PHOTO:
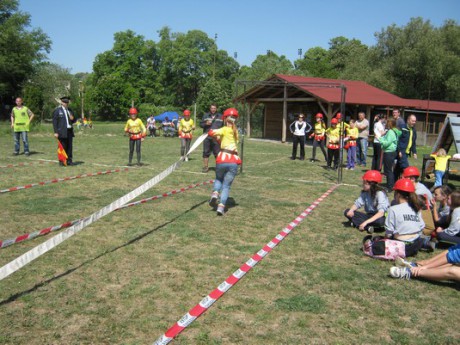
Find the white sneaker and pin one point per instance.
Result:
(400, 262)
(400, 272)
(186, 158)
(220, 210)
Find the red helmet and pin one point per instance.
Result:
(338, 116)
(186, 112)
(319, 115)
(411, 172)
(231, 112)
(372, 176)
(132, 111)
(404, 185)
(334, 121)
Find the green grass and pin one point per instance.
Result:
(130, 276)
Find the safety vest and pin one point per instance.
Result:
(21, 119)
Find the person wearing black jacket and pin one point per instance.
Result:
(63, 119)
(407, 146)
(211, 120)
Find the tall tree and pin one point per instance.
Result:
(20, 48)
(422, 60)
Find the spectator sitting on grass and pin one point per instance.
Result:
(443, 266)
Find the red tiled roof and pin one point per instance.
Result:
(359, 92)
(448, 107)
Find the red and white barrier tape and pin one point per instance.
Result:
(56, 180)
(24, 164)
(44, 247)
(32, 235)
(209, 300)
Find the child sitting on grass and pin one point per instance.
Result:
(404, 221)
(441, 208)
(443, 266)
(375, 202)
(451, 234)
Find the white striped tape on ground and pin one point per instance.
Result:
(41, 249)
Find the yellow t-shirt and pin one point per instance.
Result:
(135, 126)
(440, 162)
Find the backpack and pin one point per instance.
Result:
(383, 248)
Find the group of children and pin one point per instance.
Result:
(300, 129)
(227, 161)
(414, 220)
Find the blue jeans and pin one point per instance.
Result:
(25, 140)
(351, 157)
(438, 175)
(225, 174)
(362, 151)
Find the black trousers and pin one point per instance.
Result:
(377, 158)
(133, 143)
(319, 143)
(296, 140)
(67, 144)
(388, 168)
(361, 217)
(333, 155)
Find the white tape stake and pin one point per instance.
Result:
(41, 249)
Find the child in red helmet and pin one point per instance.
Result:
(227, 160)
(404, 221)
(375, 202)
(318, 135)
(333, 145)
(137, 131)
(186, 126)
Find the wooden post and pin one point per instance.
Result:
(284, 128)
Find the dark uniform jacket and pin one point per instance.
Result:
(60, 124)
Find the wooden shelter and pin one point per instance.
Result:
(285, 96)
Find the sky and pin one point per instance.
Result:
(82, 29)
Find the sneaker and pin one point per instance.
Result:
(370, 229)
(15, 153)
(292, 158)
(205, 169)
(186, 158)
(220, 210)
(352, 168)
(400, 272)
(400, 262)
(312, 160)
(27, 153)
(213, 200)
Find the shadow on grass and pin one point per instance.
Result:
(14, 297)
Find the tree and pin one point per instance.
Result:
(316, 63)
(20, 50)
(422, 61)
(212, 93)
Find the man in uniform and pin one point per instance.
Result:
(63, 118)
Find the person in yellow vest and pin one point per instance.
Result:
(352, 133)
(137, 132)
(333, 145)
(186, 126)
(21, 117)
(318, 135)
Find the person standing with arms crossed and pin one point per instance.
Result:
(63, 119)
(21, 117)
(363, 129)
(211, 120)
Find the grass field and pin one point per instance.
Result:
(130, 276)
